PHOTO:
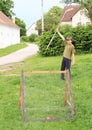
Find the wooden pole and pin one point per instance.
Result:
(66, 90)
(22, 101)
(70, 91)
(51, 40)
(44, 72)
(42, 16)
(57, 28)
(20, 95)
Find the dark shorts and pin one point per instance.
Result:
(66, 63)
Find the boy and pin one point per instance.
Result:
(68, 53)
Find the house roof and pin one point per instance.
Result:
(5, 20)
(32, 25)
(69, 12)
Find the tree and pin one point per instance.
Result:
(84, 4)
(22, 26)
(6, 7)
(51, 18)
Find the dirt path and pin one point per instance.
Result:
(19, 55)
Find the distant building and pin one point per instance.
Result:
(32, 30)
(9, 31)
(73, 15)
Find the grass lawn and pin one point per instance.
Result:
(11, 49)
(10, 115)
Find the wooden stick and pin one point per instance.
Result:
(66, 89)
(57, 27)
(70, 91)
(69, 103)
(20, 96)
(45, 72)
(51, 40)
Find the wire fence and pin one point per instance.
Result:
(45, 96)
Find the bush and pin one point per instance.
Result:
(56, 47)
(25, 38)
(82, 40)
(33, 38)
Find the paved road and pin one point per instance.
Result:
(19, 55)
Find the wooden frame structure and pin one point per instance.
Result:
(67, 90)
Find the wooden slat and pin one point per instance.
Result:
(45, 72)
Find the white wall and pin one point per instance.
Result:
(69, 23)
(32, 30)
(9, 35)
(80, 19)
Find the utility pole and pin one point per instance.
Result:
(42, 16)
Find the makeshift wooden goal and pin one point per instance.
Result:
(67, 91)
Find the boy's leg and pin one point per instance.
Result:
(63, 65)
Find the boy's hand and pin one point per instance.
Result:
(72, 63)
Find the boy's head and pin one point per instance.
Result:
(69, 39)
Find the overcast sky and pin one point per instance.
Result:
(30, 10)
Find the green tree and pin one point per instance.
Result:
(22, 26)
(6, 7)
(84, 4)
(51, 18)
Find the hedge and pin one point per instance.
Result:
(31, 38)
(82, 40)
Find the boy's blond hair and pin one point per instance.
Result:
(69, 38)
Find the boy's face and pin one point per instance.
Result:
(69, 41)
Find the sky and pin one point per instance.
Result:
(30, 10)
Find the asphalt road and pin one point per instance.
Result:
(19, 55)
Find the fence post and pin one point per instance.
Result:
(70, 93)
(66, 89)
(22, 97)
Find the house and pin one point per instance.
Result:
(9, 31)
(73, 15)
(32, 30)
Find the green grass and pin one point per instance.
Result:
(12, 48)
(44, 97)
(10, 115)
